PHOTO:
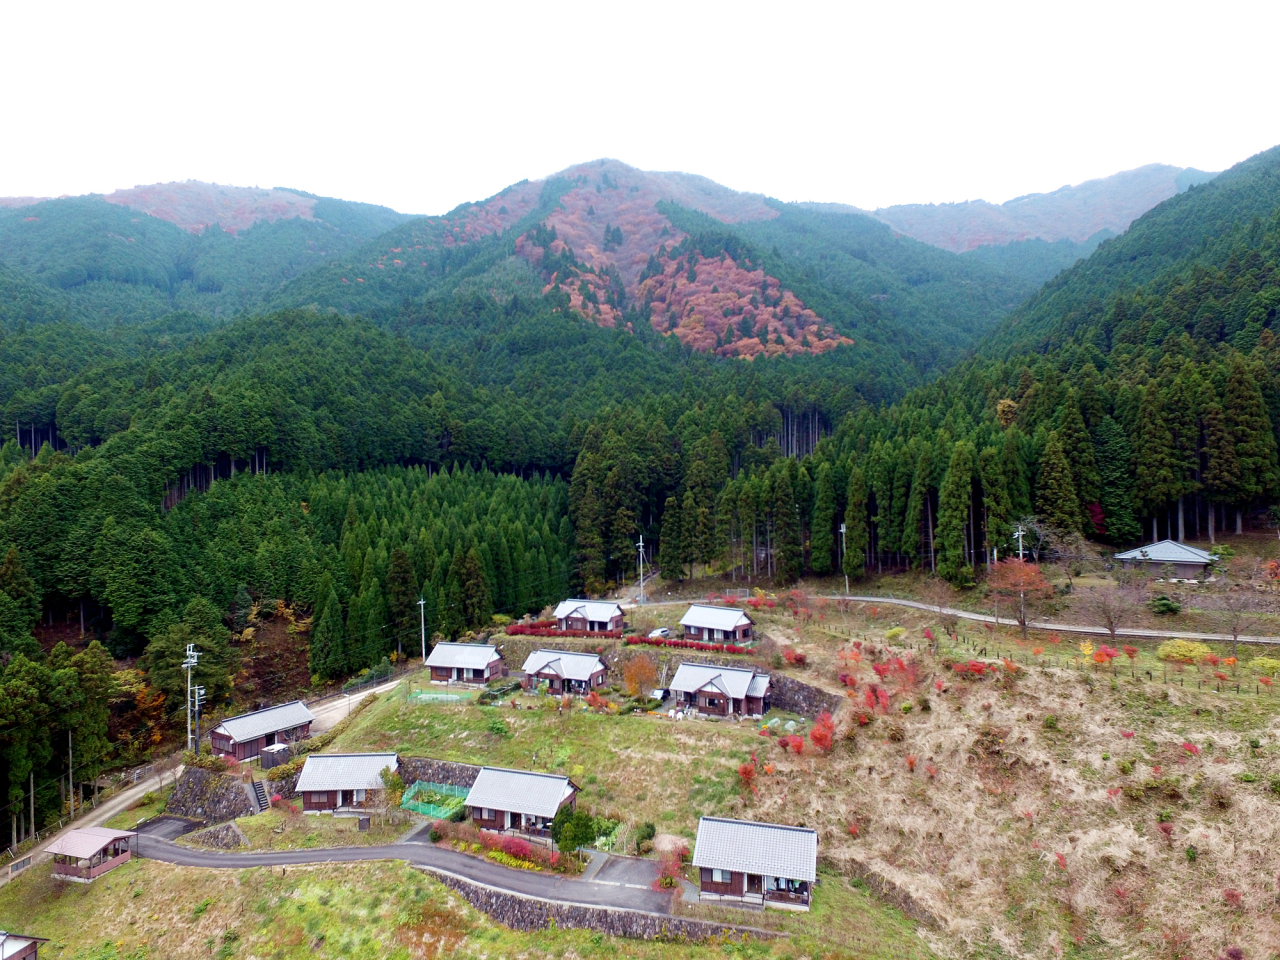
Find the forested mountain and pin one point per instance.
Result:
(1074, 213)
(140, 254)
(487, 410)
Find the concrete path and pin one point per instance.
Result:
(327, 713)
(1136, 632)
(526, 882)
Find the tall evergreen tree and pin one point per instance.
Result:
(401, 596)
(1251, 433)
(1056, 498)
(855, 525)
(1119, 525)
(788, 556)
(477, 598)
(671, 542)
(955, 499)
(328, 647)
(822, 541)
(1077, 446)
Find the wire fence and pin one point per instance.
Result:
(427, 696)
(435, 800)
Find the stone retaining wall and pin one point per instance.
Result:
(886, 889)
(529, 913)
(225, 836)
(211, 797)
(426, 769)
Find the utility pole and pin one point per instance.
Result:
(846, 576)
(640, 555)
(422, 615)
(199, 694)
(188, 664)
(1019, 533)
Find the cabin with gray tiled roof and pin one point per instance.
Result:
(755, 864)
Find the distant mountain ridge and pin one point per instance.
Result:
(1076, 213)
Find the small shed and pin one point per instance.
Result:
(1188, 563)
(565, 672)
(709, 624)
(720, 691)
(15, 946)
(765, 864)
(275, 755)
(519, 800)
(342, 782)
(589, 615)
(87, 853)
(244, 737)
(464, 662)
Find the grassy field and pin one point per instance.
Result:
(629, 767)
(280, 830)
(148, 911)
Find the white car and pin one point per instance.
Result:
(662, 633)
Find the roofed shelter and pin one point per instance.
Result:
(520, 800)
(708, 624)
(1188, 563)
(14, 946)
(244, 737)
(565, 672)
(464, 663)
(756, 863)
(592, 616)
(87, 853)
(720, 691)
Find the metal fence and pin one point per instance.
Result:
(435, 800)
(427, 696)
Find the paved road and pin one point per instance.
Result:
(327, 713)
(529, 883)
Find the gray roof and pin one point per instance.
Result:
(251, 726)
(731, 681)
(1168, 551)
(714, 618)
(767, 849)
(598, 610)
(469, 656)
(520, 791)
(345, 771)
(571, 666)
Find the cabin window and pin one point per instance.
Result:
(319, 798)
(720, 876)
(359, 796)
(486, 813)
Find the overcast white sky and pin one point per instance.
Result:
(421, 106)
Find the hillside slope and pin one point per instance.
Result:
(141, 253)
(1073, 213)
(1211, 226)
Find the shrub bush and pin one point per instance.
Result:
(894, 634)
(1183, 651)
(1163, 606)
(1267, 666)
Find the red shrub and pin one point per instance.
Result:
(1192, 749)
(794, 657)
(747, 776)
(1233, 897)
(1130, 652)
(912, 760)
(1062, 861)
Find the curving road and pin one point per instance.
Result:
(631, 896)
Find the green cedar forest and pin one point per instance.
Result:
(199, 424)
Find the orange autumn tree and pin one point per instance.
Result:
(640, 674)
(1020, 581)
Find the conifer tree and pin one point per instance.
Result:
(401, 596)
(787, 554)
(1252, 436)
(477, 597)
(1119, 525)
(1221, 474)
(327, 648)
(1077, 446)
(855, 525)
(954, 500)
(822, 540)
(1056, 499)
(671, 542)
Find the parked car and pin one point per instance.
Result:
(662, 633)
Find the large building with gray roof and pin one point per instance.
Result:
(765, 864)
